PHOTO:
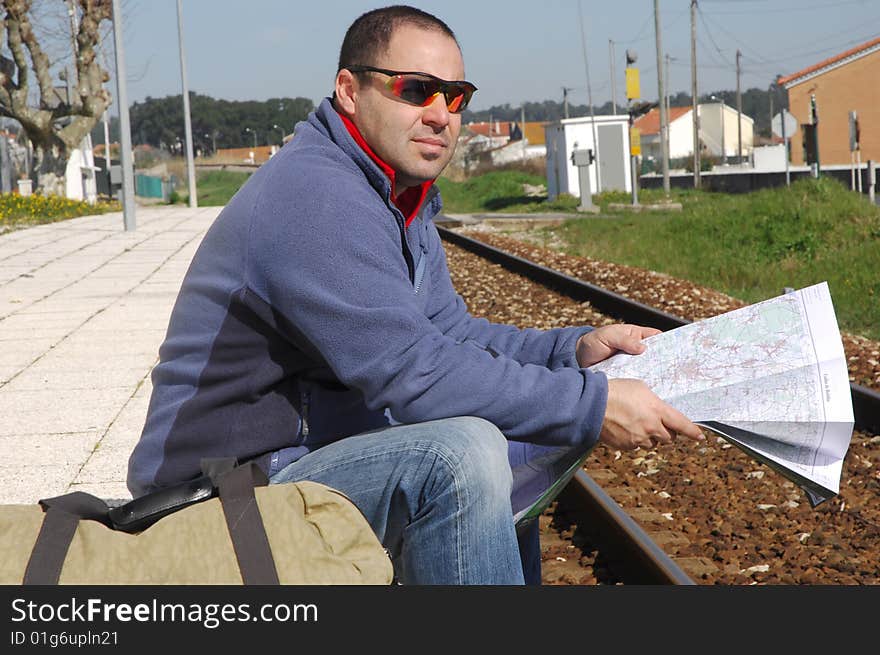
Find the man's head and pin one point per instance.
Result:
(416, 141)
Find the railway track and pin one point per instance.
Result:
(618, 529)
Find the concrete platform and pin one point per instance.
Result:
(83, 309)
(505, 221)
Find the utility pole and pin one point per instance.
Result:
(565, 91)
(190, 166)
(124, 123)
(739, 110)
(666, 59)
(666, 100)
(522, 130)
(596, 153)
(695, 106)
(664, 125)
(613, 76)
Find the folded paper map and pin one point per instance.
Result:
(770, 378)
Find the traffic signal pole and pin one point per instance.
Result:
(814, 115)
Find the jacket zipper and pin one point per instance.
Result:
(401, 225)
(420, 270)
(304, 414)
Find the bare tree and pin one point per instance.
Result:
(55, 124)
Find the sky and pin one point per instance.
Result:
(515, 51)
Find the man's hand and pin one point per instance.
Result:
(603, 342)
(636, 418)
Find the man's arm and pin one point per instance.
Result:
(334, 271)
(634, 415)
(552, 348)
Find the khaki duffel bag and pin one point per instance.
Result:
(300, 533)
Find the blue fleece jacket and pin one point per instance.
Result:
(310, 313)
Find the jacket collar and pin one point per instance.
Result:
(423, 198)
(410, 201)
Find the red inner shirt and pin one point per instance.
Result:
(407, 202)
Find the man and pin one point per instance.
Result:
(317, 332)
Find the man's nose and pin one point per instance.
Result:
(436, 114)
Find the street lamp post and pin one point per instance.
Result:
(280, 129)
(254, 151)
(128, 217)
(187, 121)
(247, 129)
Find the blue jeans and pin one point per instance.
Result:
(437, 495)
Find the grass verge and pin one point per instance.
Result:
(216, 188)
(751, 246)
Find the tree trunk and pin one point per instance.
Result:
(50, 165)
(54, 126)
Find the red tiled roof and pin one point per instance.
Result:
(829, 61)
(650, 122)
(499, 128)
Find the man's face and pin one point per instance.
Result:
(417, 142)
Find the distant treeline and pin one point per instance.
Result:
(755, 104)
(221, 123)
(224, 123)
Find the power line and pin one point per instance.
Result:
(638, 36)
(713, 53)
(736, 39)
(784, 10)
(708, 31)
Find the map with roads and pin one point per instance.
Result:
(771, 378)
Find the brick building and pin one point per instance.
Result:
(846, 82)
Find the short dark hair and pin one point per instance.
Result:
(371, 33)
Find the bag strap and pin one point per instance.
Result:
(63, 514)
(243, 520)
(245, 524)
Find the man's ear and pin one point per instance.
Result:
(346, 91)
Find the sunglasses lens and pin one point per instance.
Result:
(457, 97)
(413, 89)
(421, 91)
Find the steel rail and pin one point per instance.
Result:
(866, 402)
(649, 564)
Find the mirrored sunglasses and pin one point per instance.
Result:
(421, 88)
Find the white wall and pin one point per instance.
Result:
(79, 177)
(681, 136)
(513, 151)
(769, 158)
(711, 126)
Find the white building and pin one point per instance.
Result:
(719, 136)
(519, 150)
(612, 168)
(79, 176)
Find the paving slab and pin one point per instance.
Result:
(84, 305)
